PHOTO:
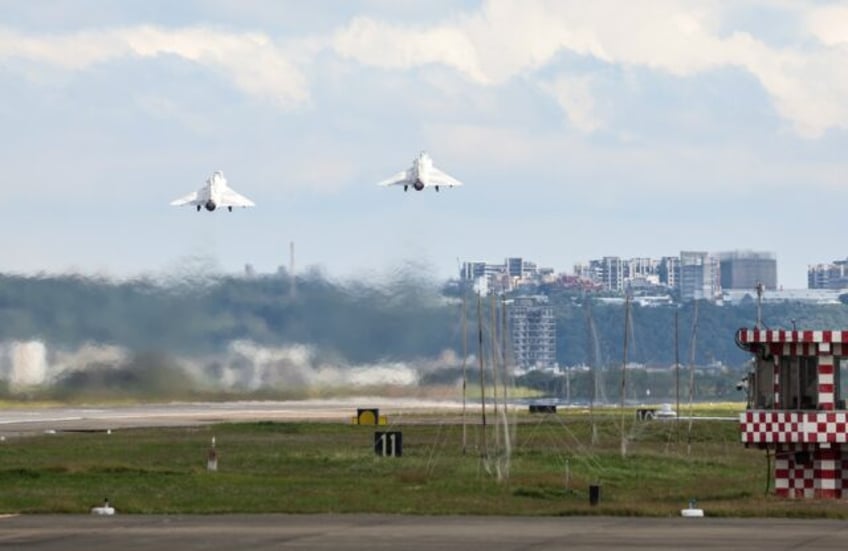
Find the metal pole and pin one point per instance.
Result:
(677, 370)
(624, 372)
(592, 367)
(504, 355)
(482, 376)
(464, 369)
(493, 334)
(692, 376)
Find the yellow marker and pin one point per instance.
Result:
(368, 417)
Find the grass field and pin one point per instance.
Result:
(328, 467)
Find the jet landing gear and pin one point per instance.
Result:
(437, 188)
(198, 208)
(405, 188)
(230, 209)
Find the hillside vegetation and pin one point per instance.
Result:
(405, 319)
(363, 322)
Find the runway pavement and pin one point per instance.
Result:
(376, 532)
(18, 421)
(21, 421)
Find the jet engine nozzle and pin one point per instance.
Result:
(210, 205)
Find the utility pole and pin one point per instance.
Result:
(464, 368)
(482, 376)
(677, 371)
(624, 372)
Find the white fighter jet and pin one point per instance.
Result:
(216, 193)
(421, 174)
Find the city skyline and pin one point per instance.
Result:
(740, 269)
(579, 131)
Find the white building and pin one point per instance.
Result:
(532, 328)
(699, 276)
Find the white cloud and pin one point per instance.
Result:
(499, 41)
(251, 60)
(574, 95)
(508, 38)
(514, 37)
(829, 24)
(807, 89)
(400, 47)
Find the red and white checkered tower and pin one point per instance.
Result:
(795, 409)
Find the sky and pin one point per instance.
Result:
(580, 129)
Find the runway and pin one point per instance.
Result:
(375, 532)
(20, 421)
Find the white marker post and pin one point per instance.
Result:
(105, 509)
(692, 510)
(212, 458)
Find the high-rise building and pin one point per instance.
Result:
(532, 330)
(745, 269)
(615, 274)
(669, 271)
(828, 276)
(640, 274)
(518, 268)
(699, 276)
(514, 267)
(499, 277)
(607, 272)
(640, 268)
(473, 270)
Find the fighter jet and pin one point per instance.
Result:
(421, 174)
(216, 193)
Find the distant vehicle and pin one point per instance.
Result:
(216, 193)
(664, 412)
(420, 175)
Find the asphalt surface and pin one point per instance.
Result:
(376, 532)
(20, 421)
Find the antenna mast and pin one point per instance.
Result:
(624, 371)
(677, 372)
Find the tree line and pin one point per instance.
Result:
(406, 317)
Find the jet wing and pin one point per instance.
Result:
(230, 198)
(399, 179)
(192, 198)
(438, 178)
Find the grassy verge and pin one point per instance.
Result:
(326, 467)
